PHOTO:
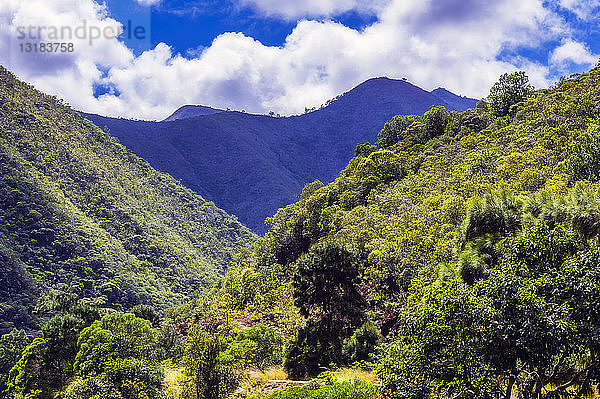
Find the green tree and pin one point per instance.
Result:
(393, 131)
(12, 346)
(326, 290)
(326, 286)
(118, 351)
(510, 90)
(584, 161)
(210, 378)
(435, 121)
(47, 363)
(146, 312)
(365, 149)
(312, 350)
(362, 344)
(31, 376)
(259, 346)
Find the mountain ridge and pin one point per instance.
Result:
(251, 165)
(189, 111)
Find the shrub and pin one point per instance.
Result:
(584, 161)
(362, 344)
(394, 130)
(357, 389)
(434, 123)
(259, 346)
(312, 350)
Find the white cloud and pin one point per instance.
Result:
(148, 2)
(313, 8)
(584, 9)
(450, 43)
(573, 51)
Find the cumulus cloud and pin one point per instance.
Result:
(313, 8)
(573, 51)
(584, 9)
(452, 43)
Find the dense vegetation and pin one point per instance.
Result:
(471, 238)
(457, 258)
(81, 214)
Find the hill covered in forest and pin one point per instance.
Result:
(252, 165)
(468, 240)
(457, 258)
(81, 214)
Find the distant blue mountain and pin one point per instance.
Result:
(191, 111)
(252, 165)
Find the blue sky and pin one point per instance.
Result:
(285, 55)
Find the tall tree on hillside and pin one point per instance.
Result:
(326, 291)
(510, 90)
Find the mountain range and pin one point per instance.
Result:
(252, 165)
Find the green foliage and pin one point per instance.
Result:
(32, 375)
(312, 350)
(336, 390)
(365, 149)
(326, 285)
(12, 346)
(413, 129)
(123, 378)
(117, 353)
(470, 267)
(326, 290)
(210, 377)
(80, 210)
(47, 363)
(146, 312)
(584, 162)
(437, 344)
(509, 91)
(115, 337)
(259, 346)
(393, 131)
(361, 346)
(434, 123)
(474, 120)
(497, 212)
(170, 342)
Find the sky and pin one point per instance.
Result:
(144, 59)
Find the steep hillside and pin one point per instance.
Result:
(403, 208)
(252, 165)
(80, 213)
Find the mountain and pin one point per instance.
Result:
(80, 213)
(252, 165)
(472, 243)
(192, 111)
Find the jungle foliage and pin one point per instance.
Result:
(79, 213)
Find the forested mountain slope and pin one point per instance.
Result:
(252, 165)
(439, 202)
(460, 258)
(80, 213)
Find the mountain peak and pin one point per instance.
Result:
(192, 111)
(269, 160)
